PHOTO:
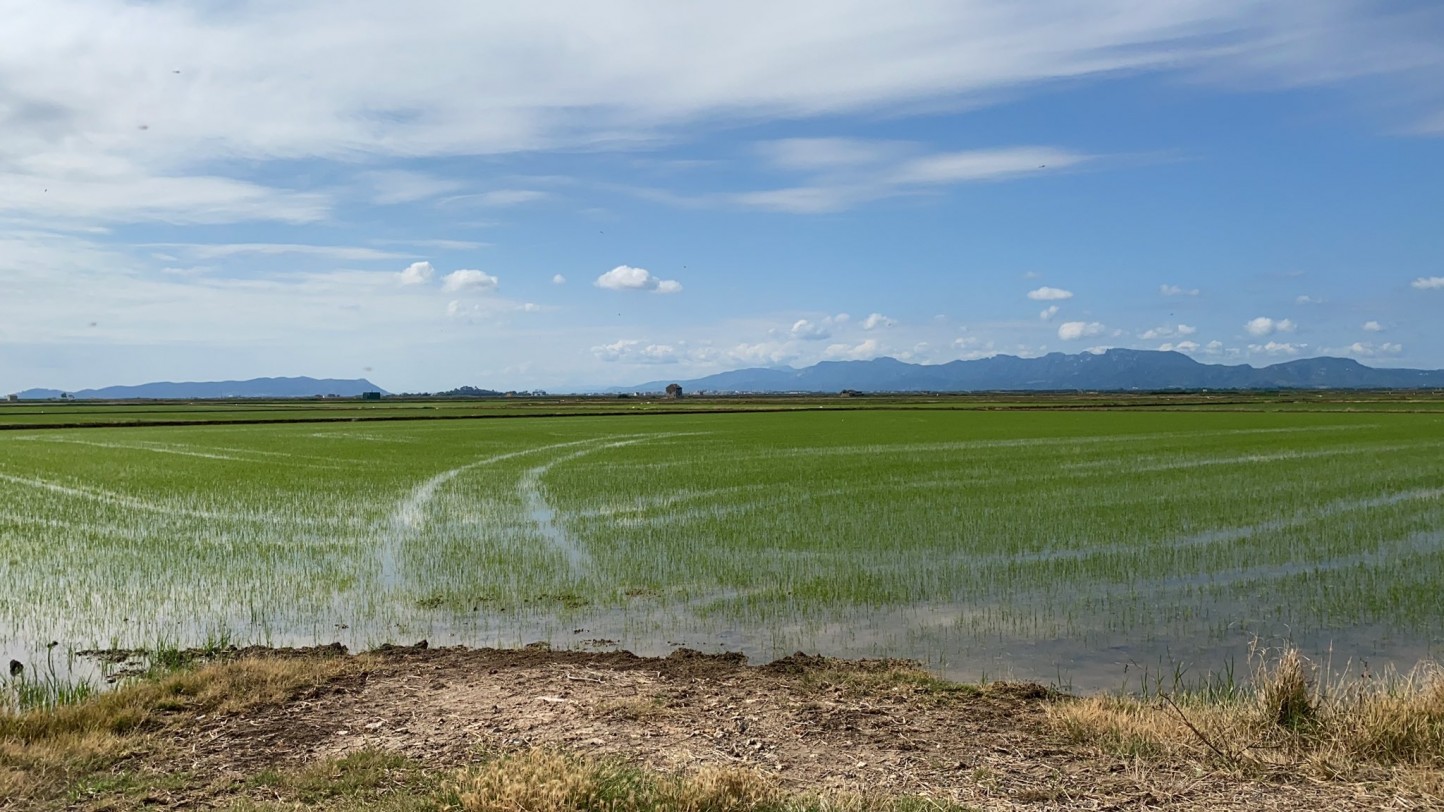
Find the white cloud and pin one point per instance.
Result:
(983, 164)
(1263, 326)
(626, 277)
(1074, 330)
(394, 186)
(854, 352)
(417, 273)
(1307, 299)
(468, 280)
(1373, 327)
(1047, 294)
(283, 81)
(848, 173)
(1277, 348)
(829, 153)
(631, 351)
(877, 320)
(1175, 290)
(809, 331)
(1168, 332)
(344, 253)
(767, 353)
(1048, 312)
(1367, 350)
(1182, 346)
(498, 198)
(1429, 283)
(558, 279)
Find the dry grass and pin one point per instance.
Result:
(545, 781)
(42, 751)
(1288, 722)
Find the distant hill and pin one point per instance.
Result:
(1114, 370)
(205, 390)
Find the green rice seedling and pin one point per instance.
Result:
(1026, 543)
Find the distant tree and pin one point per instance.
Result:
(674, 391)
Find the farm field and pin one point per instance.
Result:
(83, 414)
(1094, 547)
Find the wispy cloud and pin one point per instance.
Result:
(853, 173)
(345, 253)
(1175, 290)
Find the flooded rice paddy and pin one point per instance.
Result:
(1083, 547)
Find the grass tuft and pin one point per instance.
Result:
(546, 781)
(45, 748)
(1287, 720)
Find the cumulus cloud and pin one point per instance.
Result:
(1182, 346)
(417, 273)
(809, 331)
(626, 277)
(558, 279)
(1263, 326)
(1048, 312)
(766, 353)
(631, 351)
(1429, 283)
(1307, 299)
(877, 320)
(1277, 348)
(854, 352)
(1373, 327)
(467, 280)
(1047, 294)
(1364, 349)
(1175, 290)
(974, 351)
(1168, 332)
(1074, 330)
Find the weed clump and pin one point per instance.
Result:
(542, 781)
(1288, 720)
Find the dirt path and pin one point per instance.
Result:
(814, 724)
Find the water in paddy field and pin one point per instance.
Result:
(1098, 551)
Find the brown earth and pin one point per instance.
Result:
(814, 724)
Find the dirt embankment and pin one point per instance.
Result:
(812, 724)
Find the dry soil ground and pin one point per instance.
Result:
(815, 725)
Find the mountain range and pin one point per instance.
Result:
(205, 390)
(1112, 370)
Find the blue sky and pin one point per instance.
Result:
(580, 194)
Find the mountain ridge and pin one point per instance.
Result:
(1112, 370)
(296, 387)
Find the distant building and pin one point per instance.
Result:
(674, 391)
(370, 395)
(12, 397)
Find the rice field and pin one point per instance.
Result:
(1082, 546)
